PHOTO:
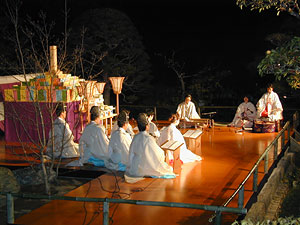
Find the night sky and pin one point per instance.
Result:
(203, 33)
(214, 31)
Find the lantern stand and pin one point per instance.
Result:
(116, 83)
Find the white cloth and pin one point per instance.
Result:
(273, 104)
(93, 142)
(153, 130)
(64, 144)
(187, 111)
(171, 133)
(129, 129)
(244, 116)
(146, 158)
(118, 149)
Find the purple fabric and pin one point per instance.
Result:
(23, 123)
(6, 86)
(2, 125)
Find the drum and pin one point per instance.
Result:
(264, 127)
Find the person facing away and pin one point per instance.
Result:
(93, 143)
(118, 147)
(129, 127)
(245, 115)
(187, 110)
(171, 133)
(153, 130)
(269, 107)
(146, 158)
(63, 144)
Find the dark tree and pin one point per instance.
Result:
(111, 33)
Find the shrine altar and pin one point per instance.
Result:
(23, 121)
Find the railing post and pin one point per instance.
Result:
(241, 197)
(255, 174)
(276, 150)
(10, 209)
(155, 113)
(105, 212)
(218, 218)
(289, 131)
(282, 140)
(266, 165)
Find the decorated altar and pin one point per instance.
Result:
(28, 106)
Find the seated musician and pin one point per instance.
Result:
(93, 143)
(187, 110)
(118, 148)
(129, 129)
(269, 107)
(153, 130)
(245, 115)
(171, 133)
(146, 158)
(63, 144)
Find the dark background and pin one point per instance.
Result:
(203, 33)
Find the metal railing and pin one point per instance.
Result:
(217, 209)
(106, 201)
(264, 157)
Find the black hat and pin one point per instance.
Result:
(142, 119)
(95, 111)
(60, 107)
(123, 117)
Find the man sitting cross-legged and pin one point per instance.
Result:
(146, 158)
(118, 148)
(61, 144)
(93, 144)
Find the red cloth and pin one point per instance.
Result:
(21, 123)
(6, 86)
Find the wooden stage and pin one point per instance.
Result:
(227, 158)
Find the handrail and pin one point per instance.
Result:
(217, 209)
(257, 162)
(254, 170)
(106, 201)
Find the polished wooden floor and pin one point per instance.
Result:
(227, 158)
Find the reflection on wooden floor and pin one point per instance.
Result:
(227, 158)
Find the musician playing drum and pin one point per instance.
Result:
(269, 107)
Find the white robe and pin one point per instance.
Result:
(64, 144)
(129, 129)
(153, 130)
(118, 149)
(187, 111)
(171, 133)
(146, 158)
(273, 104)
(93, 143)
(244, 116)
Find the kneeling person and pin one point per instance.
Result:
(63, 144)
(146, 158)
(118, 148)
(93, 143)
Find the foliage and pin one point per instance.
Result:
(283, 62)
(279, 221)
(289, 6)
(112, 32)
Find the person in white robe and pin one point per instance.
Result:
(61, 144)
(146, 158)
(269, 107)
(129, 128)
(93, 143)
(245, 115)
(187, 110)
(171, 133)
(118, 147)
(153, 130)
